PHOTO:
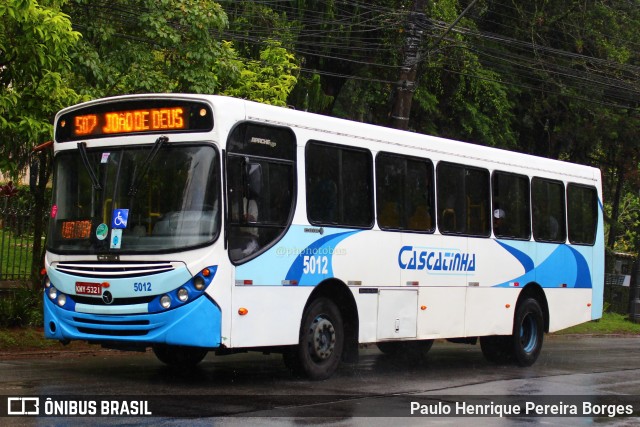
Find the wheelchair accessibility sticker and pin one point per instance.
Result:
(119, 218)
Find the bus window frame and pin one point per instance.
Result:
(564, 209)
(595, 193)
(439, 211)
(432, 190)
(371, 178)
(529, 201)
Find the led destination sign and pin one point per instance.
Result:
(130, 121)
(130, 117)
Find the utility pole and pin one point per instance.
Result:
(405, 87)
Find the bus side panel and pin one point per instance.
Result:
(568, 309)
(443, 315)
(490, 311)
(273, 315)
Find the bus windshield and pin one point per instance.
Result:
(135, 203)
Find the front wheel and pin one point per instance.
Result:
(319, 351)
(179, 356)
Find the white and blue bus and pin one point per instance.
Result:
(196, 223)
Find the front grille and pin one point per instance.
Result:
(116, 301)
(114, 328)
(110, 270)
(112, 322)
(112, 333)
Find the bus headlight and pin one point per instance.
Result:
(165, 301)
(62, 299)
(183, 294)
(47, 282)
(53, 293)
(198, 283)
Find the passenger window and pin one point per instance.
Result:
(582, 214)
(339, 185)
(404, 188)
(548, 210)
(463, 200)
(511, 209)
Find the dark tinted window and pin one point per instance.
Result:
(260, 190)
(511, 210)
(463, 200)
(548, 210)
(582, 214)
(266, 141)
(404, 189)
(339, 185)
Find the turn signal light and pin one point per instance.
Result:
(242, 311)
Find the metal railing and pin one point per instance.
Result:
(16, 243)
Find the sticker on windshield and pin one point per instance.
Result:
(105, 157)
(101, 231)
(116, 238)
(119, 218)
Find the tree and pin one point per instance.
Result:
(36, 41)
(146, 46)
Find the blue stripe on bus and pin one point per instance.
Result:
(563, 266)
(523, 258)
(325, 247)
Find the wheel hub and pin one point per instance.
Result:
(323, 338)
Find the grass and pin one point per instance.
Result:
(611, 323)
(24, 339)
(15, 255)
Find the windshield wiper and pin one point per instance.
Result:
(145, 165)
(82, 148)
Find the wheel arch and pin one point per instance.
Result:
(534, 290)
(338, 292)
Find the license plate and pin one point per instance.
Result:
(85, 288)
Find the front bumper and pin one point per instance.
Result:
(197, 324)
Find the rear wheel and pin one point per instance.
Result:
(179, 356)
(528, 332)
(525, 344)
(318, 354)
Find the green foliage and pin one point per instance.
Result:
(269, 80)
(21, 307)
(173, 46)
(35, 40)
(610, 323)
(629, 223)
(162, 46)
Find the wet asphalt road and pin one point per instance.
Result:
(252, 389)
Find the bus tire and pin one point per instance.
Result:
(528, 332)
(525, 344)
(319, 351)
(179, 356)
